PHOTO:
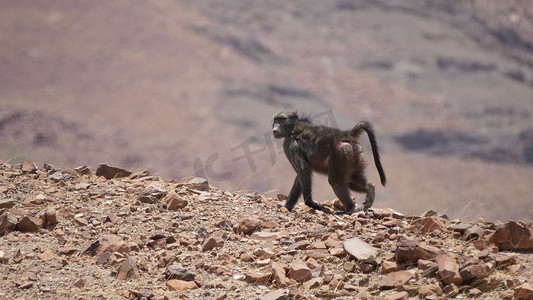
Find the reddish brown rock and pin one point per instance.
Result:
(175, 202)
(254, 277)
(275, 295)
(425, 264)
(398, 296)
(448, 269)
(248, 225)
(128, 269)
(395, 279)
(181, 285)
(475, 272)
(29, 224)
(312, 283)
(388, 267)
(451, 290)
(524, 292)
(212, 242)
(47, 255)
(110, 172)
(278, 274)
(317, 253)
(513, 236)
(502, 259)
(7, 203)
(8, 222)
(409, 250)
(267, 236)
(50, 217)
(349, 266)
(67, 250)
(178, 272)
(431, 223)
(299, 271)
(429, 290)
(29, 167)
(112, 243)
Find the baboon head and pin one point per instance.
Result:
(283, 123)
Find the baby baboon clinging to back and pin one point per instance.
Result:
(329, 151)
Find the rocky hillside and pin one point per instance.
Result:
(114, 234)
(186, 88)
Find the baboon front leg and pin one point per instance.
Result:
(305, 181)
(295, 193)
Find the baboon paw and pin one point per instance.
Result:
(348, 211)
(315, 205)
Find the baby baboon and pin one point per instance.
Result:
(329, 151)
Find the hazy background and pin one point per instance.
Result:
(188, 88)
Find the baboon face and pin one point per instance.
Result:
(283, 123)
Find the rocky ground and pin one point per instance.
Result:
(111, 234)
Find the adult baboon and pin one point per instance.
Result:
(329, 151)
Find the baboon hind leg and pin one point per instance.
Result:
(360, 184)
(337, 180)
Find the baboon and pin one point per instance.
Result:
(330, 151)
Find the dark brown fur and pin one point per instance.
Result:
(329, 151)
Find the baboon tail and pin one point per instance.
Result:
(366, 126)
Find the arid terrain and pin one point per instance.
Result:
(187, 88)
(114, 234)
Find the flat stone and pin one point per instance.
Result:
(254, 277)
(317, 253)
(502, 259)
(67, 250)
(181, 285)
(199, 184)
(267, 236)
(361, 250)
(395, 279)
(47, 255)
(403, 295)
(459, 227)
(275, 295)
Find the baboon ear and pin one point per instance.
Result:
(293, 115)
